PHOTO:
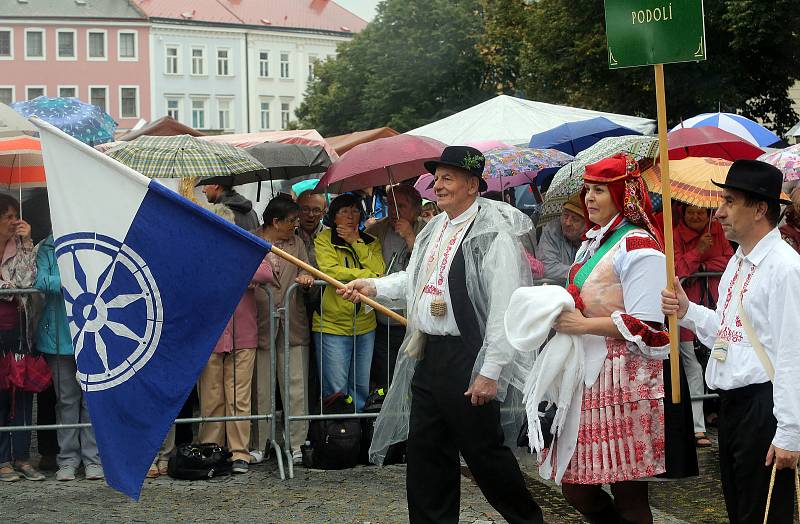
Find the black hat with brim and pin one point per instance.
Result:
(464, 158)
(757, 178)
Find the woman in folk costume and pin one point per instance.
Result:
(616, 282)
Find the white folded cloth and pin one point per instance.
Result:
(565, 364)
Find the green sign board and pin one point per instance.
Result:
(648, 32)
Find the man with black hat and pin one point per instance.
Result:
(755, 360)
(456, 363)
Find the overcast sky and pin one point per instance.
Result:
(363, 8)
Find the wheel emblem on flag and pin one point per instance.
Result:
(113, 308)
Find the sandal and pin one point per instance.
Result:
(153, 472)
(163, 467)
(701, 440)
(29, 472)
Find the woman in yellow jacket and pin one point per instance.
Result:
(344, 333)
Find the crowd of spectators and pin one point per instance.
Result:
(334, 347)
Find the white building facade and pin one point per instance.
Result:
(198, 75)
(233, 79)
(281, 64)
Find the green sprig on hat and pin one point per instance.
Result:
(472, 161)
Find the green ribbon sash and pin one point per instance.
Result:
(613, 240)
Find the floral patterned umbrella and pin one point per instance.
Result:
(514, 166)
(86, 122)
(569, 178)
(787, 160)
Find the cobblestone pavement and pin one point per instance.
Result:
(362, 495)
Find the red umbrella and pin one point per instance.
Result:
(383, 161)
(710, 142)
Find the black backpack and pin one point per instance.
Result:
(335, 443)
(199, 462)
(396, 454)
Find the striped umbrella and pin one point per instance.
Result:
(569, 179)
(787, 160)
(21, 162)
(690, 180)
(740, 126)
(185, 156)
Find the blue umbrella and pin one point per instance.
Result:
(88, 123)
(740, 126)
(574, 137)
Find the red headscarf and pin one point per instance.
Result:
(620, 173)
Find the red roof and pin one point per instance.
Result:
(203, 11)
(297, 14)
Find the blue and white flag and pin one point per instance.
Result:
(150, 280)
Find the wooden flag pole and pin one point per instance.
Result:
(669, 249)
(335, 283)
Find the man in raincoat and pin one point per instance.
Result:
(456, 365)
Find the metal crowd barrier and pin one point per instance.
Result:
(270, 416)
(277, 315)
(286, 397)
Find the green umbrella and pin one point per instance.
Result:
(569, 179)
(185, 156)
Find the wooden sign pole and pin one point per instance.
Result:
(669, 245)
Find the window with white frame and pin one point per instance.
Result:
(284, 65)
(285, 115)
(264, 114)
(172, 54)
(263, 64)
(224, 113)
(96, 45)
(223, 62)
(312, 63)
(65, 44)
(98, 96)
(174, 108)
(34, 44)
(6, 95)
(6, 43)
(32, 92)
(198, 61)
(126, 45)
(67, 91)
(199, 113)
(129, 102)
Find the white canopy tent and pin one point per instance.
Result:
(514, 120)
(795, 131)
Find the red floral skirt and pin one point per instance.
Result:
(621, 432)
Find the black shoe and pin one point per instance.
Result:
(240, 466)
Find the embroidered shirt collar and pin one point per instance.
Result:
(463, 217)
(594, 235)
(762, 248)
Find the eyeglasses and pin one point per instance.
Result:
(311, 210)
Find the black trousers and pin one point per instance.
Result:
(746, 429)
(443, 423)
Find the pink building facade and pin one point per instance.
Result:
(103, 62)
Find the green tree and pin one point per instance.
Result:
(416, 62)
(752, 49)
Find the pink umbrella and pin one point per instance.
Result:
(709, 142)
(422, 185)
(383, 161)
(485, 145)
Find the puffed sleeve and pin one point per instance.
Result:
(642, 271)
